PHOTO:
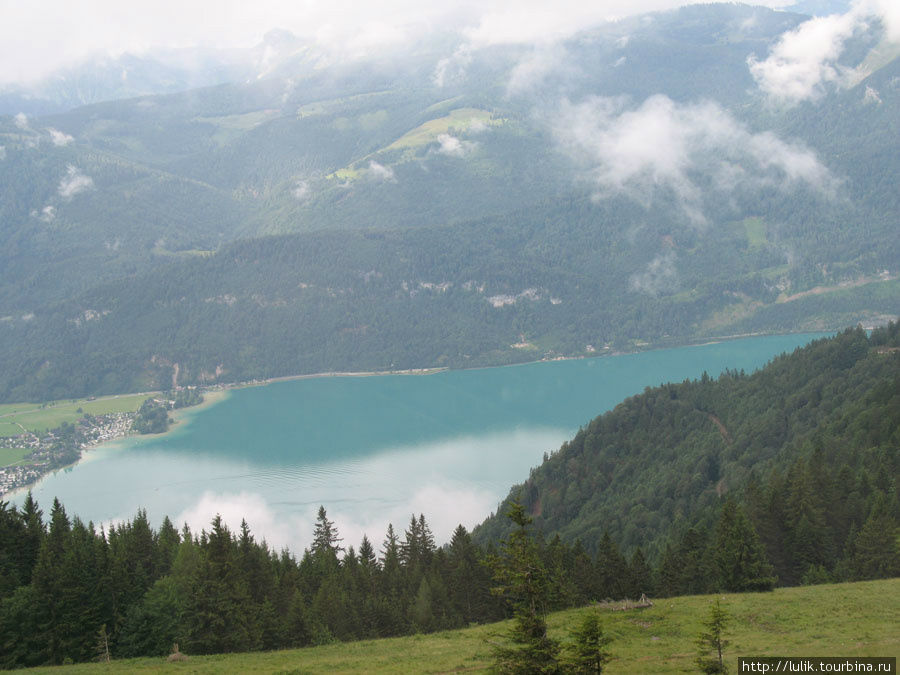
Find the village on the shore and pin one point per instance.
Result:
(60, 447)
(53, 449)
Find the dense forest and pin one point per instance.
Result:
(485, 293)
(784, 477)
(809, 445)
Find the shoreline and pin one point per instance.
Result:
(700, 342)
(333, 373)
(179, 417)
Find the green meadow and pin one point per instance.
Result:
(35, 417)
(11, 456)
(854, 619)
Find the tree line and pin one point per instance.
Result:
(67, 586)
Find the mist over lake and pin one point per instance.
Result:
(372, 450)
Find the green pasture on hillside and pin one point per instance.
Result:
(858, 619)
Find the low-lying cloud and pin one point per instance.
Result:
(454, 147)
(534, 69)
(300, 191)
(381, 173)
(457, 481)
(59, 138)
(659, 276)
(693, 152)
(74, 182)
(804, 61)
(48, 214)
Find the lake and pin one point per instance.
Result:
(372, 450)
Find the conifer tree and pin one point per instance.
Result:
(669, 575)
(640, 576)
(326, 541)
(711, 642)
(12, 531)
(34, 535)
(523, 581)
(612, 570)
(876, 554)
(740, 561)
(587, 652)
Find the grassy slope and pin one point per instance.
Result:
(857, 619)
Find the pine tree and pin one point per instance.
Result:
(422, 616)
(876, 554)
(612, 570)
(697, 575)
(325, 538)
(522, 579)
(465, 579)
(48, 583)
(34, 535)
(12, 531)
(739, 558)
(669, 576)
(712, 641)
(587, 653)
(640, 575)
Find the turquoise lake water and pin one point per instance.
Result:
(372, 450)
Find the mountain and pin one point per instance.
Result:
(809, 444)
(628, 186)
(103, 77)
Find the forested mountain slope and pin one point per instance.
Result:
(630, 185)
(531, 285)
(810, 445)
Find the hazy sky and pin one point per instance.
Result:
(38, 36)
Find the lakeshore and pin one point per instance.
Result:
(371, 449)
(47, 453)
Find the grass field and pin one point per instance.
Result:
(858, 619)
(756, 231)
(35, 418)
(11, 456)
(458, 120)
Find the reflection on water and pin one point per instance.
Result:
(373, 450)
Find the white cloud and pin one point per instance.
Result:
(535, 68)
(74, 182)
(452, 70)
(21, 121)
(871, 95)
(804, 61)
(660, 275)
(32, 46)
(367, 495)
(59, 138)
(2, 152)
(693, 151)
(277, 530)
(48, 214)
(453, 146)
(381, 173)
(300, 191)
